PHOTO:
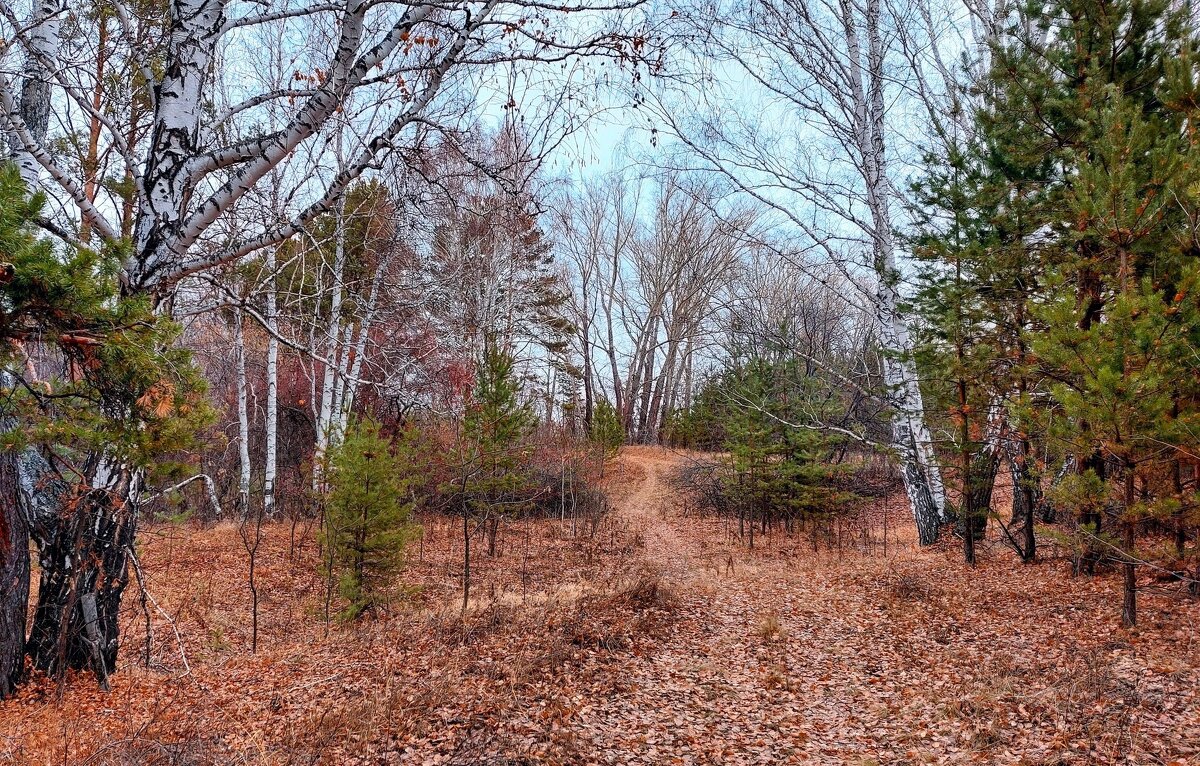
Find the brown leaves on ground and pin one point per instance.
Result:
(657, 640)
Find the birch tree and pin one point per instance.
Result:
(392, 66)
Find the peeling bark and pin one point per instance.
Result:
(14, 576)
(83, 556)
(33, 108)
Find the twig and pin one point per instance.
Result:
(208, 482)
(137, 569)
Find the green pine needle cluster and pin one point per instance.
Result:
(495, 446)
(1061, 240)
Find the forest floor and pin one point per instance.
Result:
(652, 637)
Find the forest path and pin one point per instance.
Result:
(754, 670)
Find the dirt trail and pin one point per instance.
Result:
(649, 508)
(721, 689)
(853, 659)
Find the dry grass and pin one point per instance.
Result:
(770, 629)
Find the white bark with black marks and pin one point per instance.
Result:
(32, 106)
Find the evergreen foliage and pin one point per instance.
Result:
(701, 426)
(606, 429)
(368, 511)
(496, 428)
(765, 415)
(1064, 233)
(124, 388)
(775, 459)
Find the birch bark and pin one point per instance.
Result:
(271, 447)
(239, 340)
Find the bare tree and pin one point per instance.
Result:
(647, 283)
(595, 229)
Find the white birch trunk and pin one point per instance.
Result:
(332, 345)
(339, 415)
(243, 418)
(195, 28)
(912, 439)
(33, 108)
(271, 448)
(354, 375)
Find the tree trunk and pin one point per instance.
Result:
(1026, 496)
(589, 403)
(969, 523)
(980, 486)
(1092, 462)
(466, 528)
(271, 448)
(168, 176)
(83, 554)
(665, 380)
(91, 162)
(14, 576)
(243, 411)
(1180, 531)
(913, 441)
(34, 106)
(1129, 607)
(331, 348)
(647, 382)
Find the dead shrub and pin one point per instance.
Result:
(907, 588)
(141, 751)
(777, 678)
(771, 630)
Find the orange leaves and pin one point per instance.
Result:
(159, 401)
(413, 42)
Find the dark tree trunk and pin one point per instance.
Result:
(978, 495)
(665, 380)
(466, 557)
(1180, 525)
(1023, 501)
(589, 404)
(647, 387)
(14, 576)
(925, 511)
(1129, 604)
(1094, 462)
(1026, 495)
(1046, 510)
(1129, 607)
(83, 555)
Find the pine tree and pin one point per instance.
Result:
(126, 396)
(1077, 200)
(606, 429)
(493, 451)
(701, 426)
(775, 469)
(368, 512)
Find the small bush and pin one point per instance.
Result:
(606, 430)
(770, 629)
